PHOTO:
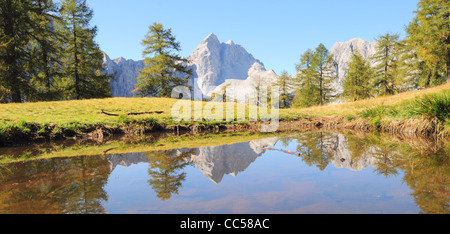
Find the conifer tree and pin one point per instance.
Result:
(315, 73)
(164, 68)
(387, 59)
(15, 35)
(307, 94)
(3, 94)
(286, 86)
(326, 72)
(404, 67)
(45, 50)
(429, 36)
(359, 75)
(414, 71)
(83, 69)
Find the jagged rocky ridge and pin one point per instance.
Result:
(342, 55)
(126, 73)
(217, 161)
(217, 65)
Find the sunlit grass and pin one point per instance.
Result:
(90, 111)
(144, 144)
(354, 108)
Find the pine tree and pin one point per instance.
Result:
(83, 71)
(415, 71)
(286, 86)
(386, 70)
(307, 94)
(3, 94)
(260, 86)
(429, 36)
(15, 35)
(45, 49)
(326, 72)
(404, 67)
(315, 73)
(164, 69)
(359, 75)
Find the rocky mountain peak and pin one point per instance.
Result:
(342, 55)
(210, 38)
(214, 62)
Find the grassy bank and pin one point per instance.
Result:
(127, 145)
(401, 100)
(423, 110)
(420, 111)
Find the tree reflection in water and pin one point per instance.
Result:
(424, 161)
(67, 185)
(166, 171)
(77, 184)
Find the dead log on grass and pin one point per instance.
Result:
(134, 113)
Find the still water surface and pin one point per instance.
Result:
(316, 172)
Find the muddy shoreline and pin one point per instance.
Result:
(99, 133)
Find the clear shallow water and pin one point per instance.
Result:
(316, 172)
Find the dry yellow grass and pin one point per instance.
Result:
(122, 146)
(89, 111)
(353, 108)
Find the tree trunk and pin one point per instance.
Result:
(77, 77)
(322, 98)
(16, 96)
(12, 73)
(447, 42)
(448, 67)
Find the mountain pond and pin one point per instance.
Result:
(297, 173)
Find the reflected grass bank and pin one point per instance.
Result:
(306, 172)
(422, 112)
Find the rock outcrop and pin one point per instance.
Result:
(213, 62)
(342, 55)
(217, 65)
(126, 73)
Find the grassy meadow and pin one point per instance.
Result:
(398, 101)
(431, 103)
(140, 144)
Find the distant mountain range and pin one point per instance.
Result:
(217, 65)
(217, 161)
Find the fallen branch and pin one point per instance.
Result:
(284, 151)
(109, 150)
(134, 113)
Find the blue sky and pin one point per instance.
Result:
(275, 32)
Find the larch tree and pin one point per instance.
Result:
(83, 76)
(15, 35)
(164, 68)
(429, 35)
(307, 93)
(315, 73)
(386, 60)
(415, 71)
(45, 51)
(325, 73)
(286, 86)
(359, 77)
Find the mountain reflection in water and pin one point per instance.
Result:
(271, 175)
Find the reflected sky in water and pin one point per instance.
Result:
(315, 172)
